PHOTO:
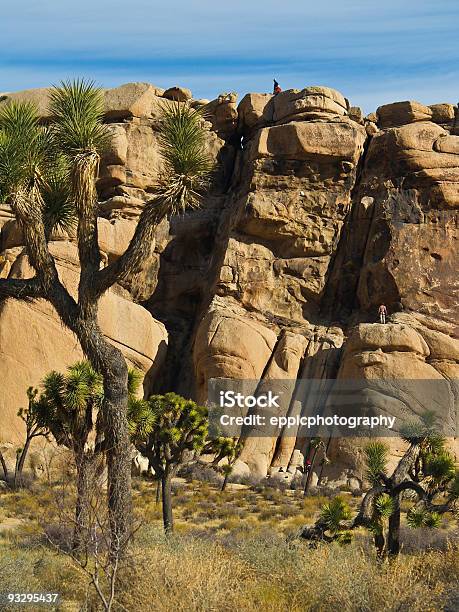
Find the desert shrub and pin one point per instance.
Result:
(268, 513)
(39, 570)
(425, 539)
(201, 473)
(271, 493)
(183, 573)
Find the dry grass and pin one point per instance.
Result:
(230, 552)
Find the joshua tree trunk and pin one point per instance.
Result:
(309, 476)
(380, 544)
(110, 362)
(158, 492)
(85, 481)
(225, 481)
(119, 468)
(394, 528)
(4, 467)
(168, 520)
(20, 463)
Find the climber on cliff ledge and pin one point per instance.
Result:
(382, 313)
(277, 89)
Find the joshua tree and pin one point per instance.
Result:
(71, 403)
(70, 149)
(225, 448)
(70, 409)
(169, 430)
(315, 444)
(35, 427)
(426, 471)
(4, 466)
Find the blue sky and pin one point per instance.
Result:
(373, 52)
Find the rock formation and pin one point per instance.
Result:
(317, 215)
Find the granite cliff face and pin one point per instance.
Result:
(317, 215)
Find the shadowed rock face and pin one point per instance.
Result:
(317, 216)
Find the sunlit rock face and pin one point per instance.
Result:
(402, 238)
(331, 215)
(410, 368)
(33, 341)
(315, 217)
(216, 355)
(292, 191)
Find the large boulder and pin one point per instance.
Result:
(179, 94)
(38, 97)
(222, 113)
(404, 381)
(131, 100)
(216, 355)
(303, 140)
(255, 110)
(442, 113)
(401, 113)
(309, 103)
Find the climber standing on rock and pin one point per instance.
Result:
(382, 313)
(277, 89)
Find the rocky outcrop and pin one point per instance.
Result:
(330, 215)
(317, 215)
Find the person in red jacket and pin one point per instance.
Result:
(277, 89)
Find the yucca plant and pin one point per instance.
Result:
(385, 505)
(59, 208)
(440, 467)
(72, 402)
(187, 175)
(376, 461)
(227, 449)
(187, 164)
(420, 517)
(33, 174)
(384, 508)
(80, 135)
(422, 430)
(332, 524)
(333, 513)
(35, 425)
